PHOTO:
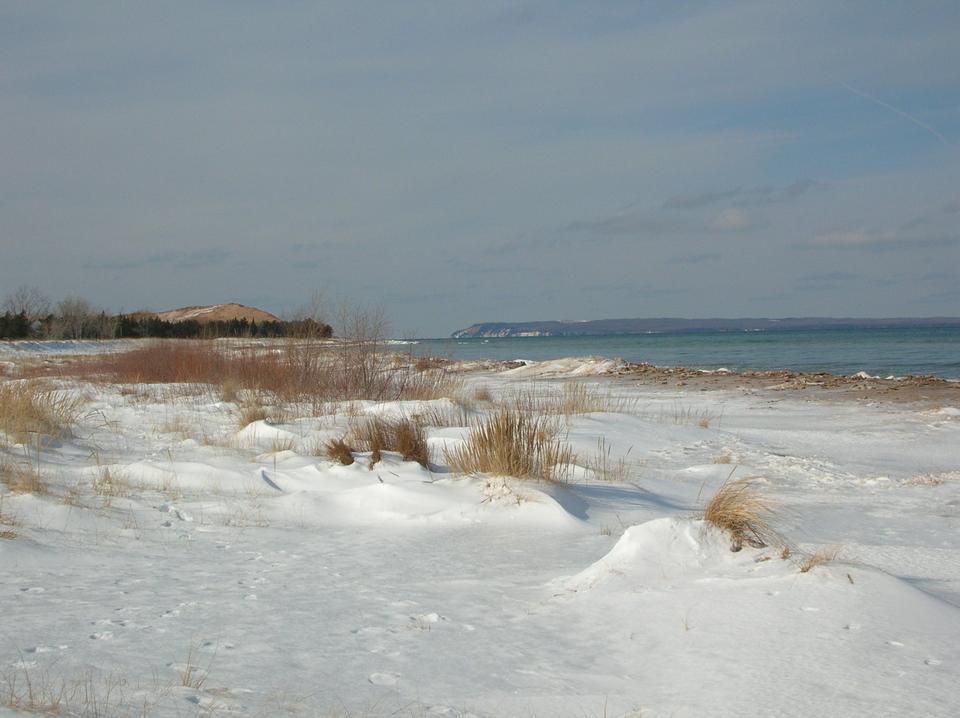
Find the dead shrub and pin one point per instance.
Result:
(741, 512)
(513, 443)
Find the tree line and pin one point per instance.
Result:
(28, 314)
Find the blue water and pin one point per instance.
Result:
(882, 352)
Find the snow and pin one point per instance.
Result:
(567, 367)
(230, 571)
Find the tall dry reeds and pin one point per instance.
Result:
(290, 371)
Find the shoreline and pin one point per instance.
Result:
(920, 389)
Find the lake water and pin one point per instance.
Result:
(882, 352)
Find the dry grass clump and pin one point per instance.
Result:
(22, 478)
(482, 393)
(88, 695)
(339, 450)
(605, 467)
(932, 479)
(513, 443)
(405, 436)
(109, 482)
(410, 441)
(7, 523)
(456, 415)
(818, 558)
(724, 457)
(688, 416)
(740, 511)
(35, 407)
(573, 398)
(250, 413)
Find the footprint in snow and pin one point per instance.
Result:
(932, 662)
(895, 644)
(383, 679)
(33, 589)
(102, 635)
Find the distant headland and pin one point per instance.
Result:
(598, 327)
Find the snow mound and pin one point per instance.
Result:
(568, 367)
(263, 435)
(394, 410)
(664, 550)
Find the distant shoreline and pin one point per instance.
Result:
(627, 327)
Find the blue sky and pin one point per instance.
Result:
(458, 162)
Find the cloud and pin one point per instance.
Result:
(829, 277)
(952, 207)
(879, 240)
(177, 260)
(745, 197)
(627, 223)
(731, 220)
(695, 201)
(696, 258)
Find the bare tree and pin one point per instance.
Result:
(27, 300)
(74, 315)
(364, 333)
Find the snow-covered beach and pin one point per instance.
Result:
(179, 561)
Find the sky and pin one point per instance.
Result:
(457, 162)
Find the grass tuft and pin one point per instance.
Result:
(818, 558)
(405, 436)
(339, 450)
(513, 443)
(34, 407)
(741, 512)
